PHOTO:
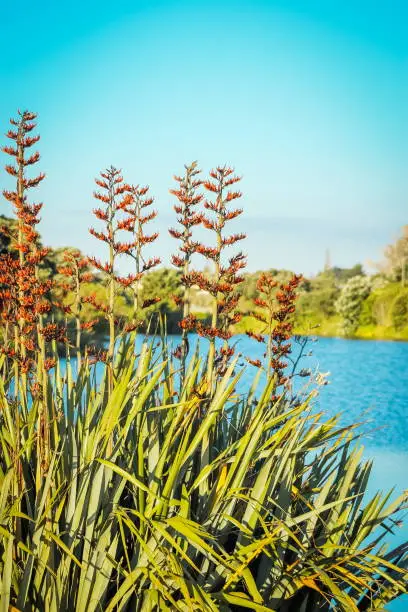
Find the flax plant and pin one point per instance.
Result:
(130, 514)
(118, 493)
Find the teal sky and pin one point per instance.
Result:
(307, 99)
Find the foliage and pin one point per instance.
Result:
(319, 302)
(399, 310)
(136, 500)
(165, 283)
(342, 275)
(350, 302)
(378, 306)
(7, 229)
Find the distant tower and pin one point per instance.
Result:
(327, 261)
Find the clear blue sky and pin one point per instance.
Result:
(307, 99)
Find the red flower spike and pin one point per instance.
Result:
(188, 199)
(26, 294)
(278, 306)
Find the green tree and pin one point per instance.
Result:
(342, 275)
(350, 302)
(7, 227)
(163, 283)
(399, 310)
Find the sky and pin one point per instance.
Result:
(307, 99)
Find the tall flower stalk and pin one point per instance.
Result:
(188, 217)
(8, 293)
(275, 308)
(115, 197)
(31, 292)
(138, 216)
(226, 277)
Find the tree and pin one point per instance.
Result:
(8, 228)
(164, 283)
(342, 275)
(350, 302)
(399, 310)
(396, 258)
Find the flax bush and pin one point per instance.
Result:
(137, 497)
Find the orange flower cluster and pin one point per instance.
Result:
(75, 272)
(222, 283)
(135, 222)
(96, 355)
(188, 217)
(24, 296)
(52, 331)
(93, 301)
(8, 287)
(189, 323)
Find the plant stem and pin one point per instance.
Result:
(77, 315)
(214, 319)
(111, 286)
